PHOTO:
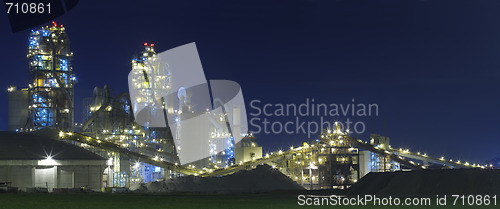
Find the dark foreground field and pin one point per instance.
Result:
(416, 184)
(196, 201)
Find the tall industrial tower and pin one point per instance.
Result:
(51, 91)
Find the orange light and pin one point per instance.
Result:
(152, 44)
(145, 44)
(54, 24)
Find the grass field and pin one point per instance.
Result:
(160, 201)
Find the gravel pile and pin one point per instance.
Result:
(261, 179)
(430, 182)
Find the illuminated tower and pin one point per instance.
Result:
(151, 78)
(51, 91)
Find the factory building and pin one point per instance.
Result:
(171, 122)
(248, 149)
(158, 117)
(335, 160)
(110, 119)
(48, 100)
(33, 162)
(206, 118)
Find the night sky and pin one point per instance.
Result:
(431, 66)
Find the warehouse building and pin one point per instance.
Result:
(30, 161)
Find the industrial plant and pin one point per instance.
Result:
(172, 122)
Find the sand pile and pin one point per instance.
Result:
(430, 182)
(261, 179)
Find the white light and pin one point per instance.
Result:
(48, 161)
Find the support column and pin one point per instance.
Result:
(55, 176)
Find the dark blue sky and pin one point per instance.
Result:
(431, 66)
